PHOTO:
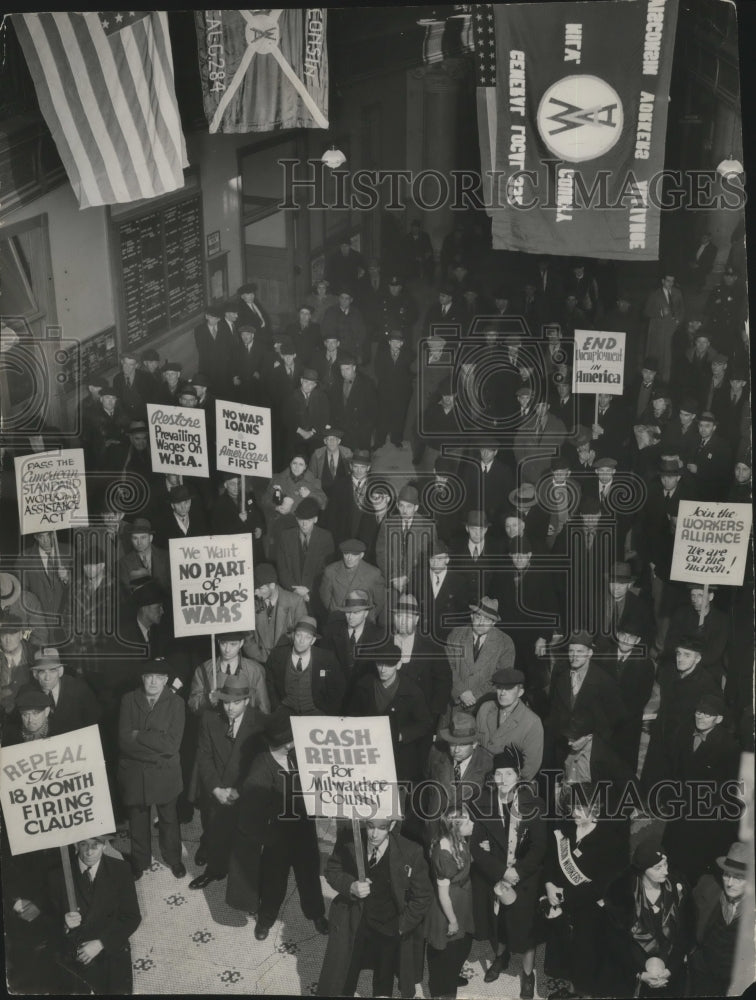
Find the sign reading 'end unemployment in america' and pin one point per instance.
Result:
(599, 362)
(347, 766)
(52, 492)
(55, 791)
(711, 542)
(212, 583)
(178, 440)
(243, 439)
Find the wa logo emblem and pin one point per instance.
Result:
(580, 118)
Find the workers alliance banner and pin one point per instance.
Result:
(711, 542)
(346, 766)
(263, 70)
(243, 439)
(54, 791)
(52, 490)
(212, 583)
(582, 92)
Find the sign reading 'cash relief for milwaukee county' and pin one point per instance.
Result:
(599, 362)
(52, 490)
(212, 583)
(579, 126)
(243, 439)
(346, 766)
(178, 440)
(711, 542)
(55, 791)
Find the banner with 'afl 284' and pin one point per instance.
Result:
(582, 91)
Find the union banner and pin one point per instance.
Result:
(582, 91)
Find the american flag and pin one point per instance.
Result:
(484, 39)
(104, 82)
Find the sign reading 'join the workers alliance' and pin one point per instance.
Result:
(578, 127)
(711, 542)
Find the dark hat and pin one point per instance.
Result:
(406, 604)
(32, 697)
(395, 280)
(589, 504)
(738, 373)
(306, 508)
(360, 456)
(477, 519)
(646, 855)
(409, 494)
(98, 381)
(386, 652)
(138, 577)
(660, 391)
(235, 688)
(507, 677)
(707, 415)
(446, 386)
(214, 310)
(736, 862)
(579, 724)
(149, 593)
(201, 380)
(179, 493)
(580, 638)
(523, 496)
(731, 270)
(249, 328)
(225, 477)
(140, 524)
(150, 355)
(446, 289)
(461, 729)
(688, 404)
(438, 548)
(287, 346)
(357, 600)
(247, 288)
(306, 624)
(501, 293)
(605, 463)
(444, 466)
(699, 586)
(559, 462)
(691, 642)
(310, 374)
(670, 467)
(519, 545)
(345, 289)
(347, 358)
(47, 657)
(10, 624)
(395, 335)
(230, 306)
(329, 431)
(299, 453)
(136, 426)
(265, 573)
(187, 389)
(355, 546)
(743, 456)
(159, 665)
(172, 366)
(278, 727)
(235, 636)
(107, 389)
(621, 572)
(650, 362)
(718, 358)
(583, 438)
(510, 757)
(488, 606)
(711, 704)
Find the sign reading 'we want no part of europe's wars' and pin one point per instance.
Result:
(178, 440)
(212, 583)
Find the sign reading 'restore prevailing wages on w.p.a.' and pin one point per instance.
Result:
(346, 766)
(178, 440)
(212, 583)
(599, 362)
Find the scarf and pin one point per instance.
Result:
(384, 696)
(645, 925)
(40, 734)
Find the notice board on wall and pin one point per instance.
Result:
(158, 262)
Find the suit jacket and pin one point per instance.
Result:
(409, 717)
(327, 680)
(635, 679)
(221, 762)
(168, 527)
(717, 759)
(632, 608)
(109, 913)
(487, 492)
(214, 356)
(309, 413)
(149, 768)
(394, 378)
(712, 461)
(143, 390)
(598, 696)
(320, 467)
(452, 600)
(338, 581)
(615, 423)
(225, 519)
(357, 416)
(287, 611)
(76, 708)
(446, 788)
(336, 639)
(344, 516)
(399, 556)
(12, 679)
(52, 594)
(250, 670)
(292, 569)
(436, 323)
(160, 568)
(714, 634)
(429, 669)
(348, 327)
(497, 652)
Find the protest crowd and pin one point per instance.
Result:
(509, 604)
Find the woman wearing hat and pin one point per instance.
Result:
(320, 300)
(508, 849)
(449, 925)
(285, 492)
(647, 915)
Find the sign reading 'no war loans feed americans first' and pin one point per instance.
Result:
(243, 439)
(178, 440)
(212, 583)
(599, 362)
(711, 542)
(346, 766)
(54, 791)
(52, 490)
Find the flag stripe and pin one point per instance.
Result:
(109, 100)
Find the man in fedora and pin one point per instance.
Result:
(353, 398)
(698, 617)
(505, 720)
(351, 572)
(394, 377)
(72, 704)
(145, 555)
(305, 679)
(407, 538)
(350, 498)
(620, 605)
(303, 552)
(330, 461)
(275, 835)
(442, 592)
(185, 517)
(305, 413)
(710, 462)
(475, 652)
(350, 638)
(535, 440)
(718, 909)
(475, 556)
(276, 611)
(524, 500)
(227, 743)
(14, 600)
(458, 766)
(16, 660)
(488, 481)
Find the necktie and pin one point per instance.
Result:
(475, 553)
(303, 543)
(668, 494)
(373, 860)
(476, 646)
(352, 642)
(444, 310)
(347, 390)
(457, 772)
(90, 875)
(291, 759)
(230, 731)
(697, 741)
(151, 702)
(574, 683)
(332, 463)
(437, 580)
(52, 702)
(299, 665)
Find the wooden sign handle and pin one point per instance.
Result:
(242, 496)
(212, 650)
(356, 834)
(701, 614)
(65, 858)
